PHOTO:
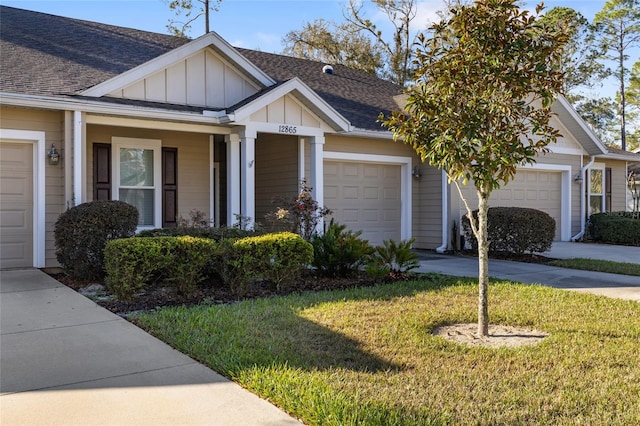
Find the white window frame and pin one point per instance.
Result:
(603, 203)
(134, 143)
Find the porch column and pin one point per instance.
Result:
(233, 177)
(317, 173)
(79, 158)
(248, 176)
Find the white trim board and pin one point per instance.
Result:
(405, 173)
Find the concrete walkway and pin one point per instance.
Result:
(612, 285)
(66, 361)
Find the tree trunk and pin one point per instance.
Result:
(623, 130)
(483, 264)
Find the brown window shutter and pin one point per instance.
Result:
(607, 186)
(169, 187)
(101, 171)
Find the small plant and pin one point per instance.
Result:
(339, 252)
(196, 219)
(396, 259)
(82, 232)
(301, 215)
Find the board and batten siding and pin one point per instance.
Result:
(52, 124)
(203, 79)
(287, 110)
(193, 162)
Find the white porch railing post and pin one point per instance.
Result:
(317, 174)
(233, 177)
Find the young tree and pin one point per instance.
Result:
(191, 12)
(331, 43)
(480, 104)
(618, 24)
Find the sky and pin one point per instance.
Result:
(261, 24)
(252, 24)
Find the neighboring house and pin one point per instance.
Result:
(172, 125)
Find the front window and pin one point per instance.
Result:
(137, 172)
(596, 190)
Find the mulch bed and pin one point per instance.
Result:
(214, 292)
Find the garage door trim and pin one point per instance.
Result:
(565, 200)
(405, 179)
(39, 156)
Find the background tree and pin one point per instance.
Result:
(601, 114)
(359, 43)
(480, 104)
(192, 11)
(331, 43)
(618, 27)
(580, 55)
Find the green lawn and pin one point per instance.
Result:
(597, 265)
(367, 356)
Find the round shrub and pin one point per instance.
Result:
(615, 228)
(514, 230)
(82, 232)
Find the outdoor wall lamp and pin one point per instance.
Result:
(578, 178)
(416, 173)
(53, 155)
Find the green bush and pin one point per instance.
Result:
(514, 230)
(135, 263)
(393, 259)
(339, 252)
(615, 228)
(82, 232)
(279, 257)
(212, 233)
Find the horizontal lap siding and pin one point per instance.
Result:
(276, 171)
(51, 122)
(193, 162)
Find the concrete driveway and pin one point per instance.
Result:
(66, 361)
(612, 285)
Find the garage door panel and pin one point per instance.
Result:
(16, 205)
(367, 198)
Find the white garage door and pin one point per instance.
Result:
(365, 197)
(540, 190)
(16, 205)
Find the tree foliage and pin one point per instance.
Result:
(618, 27)
(480, 102)
(580, 54)
(188, 12)
(332, 43)
(359, 43)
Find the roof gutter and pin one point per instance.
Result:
(583, 200)
(445, 214)
(97, 107)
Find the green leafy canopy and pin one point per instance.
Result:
(481, 100)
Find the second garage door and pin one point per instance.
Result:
(540, 190)
(365, 197)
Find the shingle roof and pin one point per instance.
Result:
(43, 54)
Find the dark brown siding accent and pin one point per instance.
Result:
(101, 171)
(169, 187)
(607, 183)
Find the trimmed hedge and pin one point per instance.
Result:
(212, 233)
(278, 257)
(514, 230)
(615, 228)
(82, 232)
(135, 263)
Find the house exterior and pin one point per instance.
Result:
(172, 125)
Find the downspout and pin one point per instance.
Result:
(583, 201)
(445, 214)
